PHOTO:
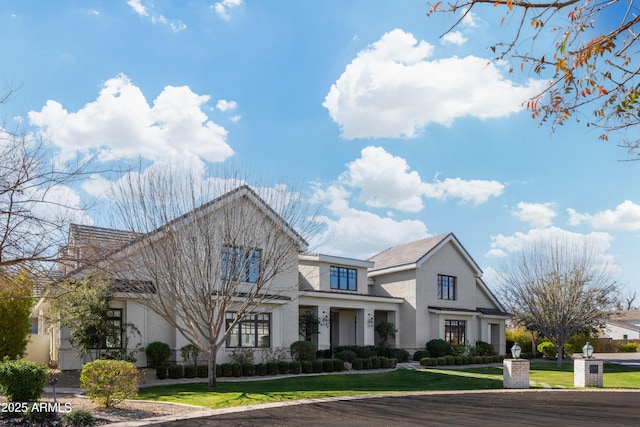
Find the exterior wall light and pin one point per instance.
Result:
(515, 351)
(587, 351)
(324, 321)
(371, 321)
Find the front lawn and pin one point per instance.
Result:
(543, 375)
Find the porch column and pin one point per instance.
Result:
(324, 329)
(368, 324)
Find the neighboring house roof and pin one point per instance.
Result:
(107, 237)
(625, 325)
(626, 316)
(413, 254)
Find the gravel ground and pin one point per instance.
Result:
(125, 411)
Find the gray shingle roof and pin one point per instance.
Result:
(407, 253)
(100, 236)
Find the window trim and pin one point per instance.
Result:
(455, 334)
(347, 278)
(450, 283)
(253, 321)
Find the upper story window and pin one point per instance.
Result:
(240, 264)
(446, 287)
(343, 278)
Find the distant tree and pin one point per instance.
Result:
(35, 210)
(558, 288)
(585, 48)
(214, 250)
(16, 302)
(308, 324)
(83, 305)
(626, 301)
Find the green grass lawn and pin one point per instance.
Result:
(542, 375)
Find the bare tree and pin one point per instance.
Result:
(586, 49)
(557, 288)
(34, 209)
(626, 301)
(215, 253)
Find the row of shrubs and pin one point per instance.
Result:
(274, 368)
(459, 360)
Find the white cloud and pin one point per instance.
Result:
(384, 180)
(454, 37)
(538, 215)
(502, 245)
(391, 89)
(224, 105)
(475, 191)
(222, 8)
(625, 217)
(236, 118)
(120, 124)
(469, 19)
(141, 10)
(356, 233)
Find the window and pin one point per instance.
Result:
(446, 287)
(240, 264)
(110, 337)
(251, 331)
(344, 278)
(454, 331)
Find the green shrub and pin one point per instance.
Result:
(22, 381)
(629, 347)
(393, 362)
(176, 371)
(79, 418)
(189, 371)
(477, 360)
(366, 363)
(466, 360)
(482, 349)
(302, 350)
(439, 347)
(327, 365)
(190, 354)
(317, 366)
(375, 362)
(451, 360)
(400, 354)
(357, 364)
(548, 350)
(161, 372)
(567, 351)
(307, 366)
(486, 359)
(272, 368)
(328, 353)
(248, 369)
(236, 370)
(420, 354)
(202, 371)
(384, 362)
(39, 416)
(226, 370)
(283, 367)
(294, 367)
(260, 369)
(441, 360)
(346, 355)
(428, 361)
(157, 354)
(109, 382)
(459, 360)
(338, 365)
(242, 356)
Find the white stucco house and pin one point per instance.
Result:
(430, 288)
(623, 325)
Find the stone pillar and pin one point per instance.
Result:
(587, 373)
(516, 373)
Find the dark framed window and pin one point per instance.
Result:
(109, 337)
(454, 331)
(446, 287)
(240, 264)
(343, 278)
(254, 330)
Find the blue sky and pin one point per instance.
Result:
(397, 132)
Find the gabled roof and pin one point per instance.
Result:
(628, 316)
(413, 254)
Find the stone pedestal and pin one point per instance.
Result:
(587, 373)
(516, 373)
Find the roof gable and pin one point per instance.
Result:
(413, 254)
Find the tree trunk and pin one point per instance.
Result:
(560, 348)
(212, 366)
